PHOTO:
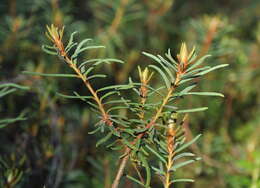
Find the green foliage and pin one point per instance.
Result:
(136, 131)
(6, 89)
(52, 139)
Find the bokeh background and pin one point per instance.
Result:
(52, 147)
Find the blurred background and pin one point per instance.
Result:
(52, 147)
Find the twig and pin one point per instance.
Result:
(121, 169)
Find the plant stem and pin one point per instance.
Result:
(167, 182)
(121, 169)
(92, 91)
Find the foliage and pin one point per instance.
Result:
(52, 147)
(137, 132)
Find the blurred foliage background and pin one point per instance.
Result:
(52, 147)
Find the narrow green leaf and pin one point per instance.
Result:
(147, 169)
(129, 144)
(162, 63)
(83, 98)
(187, 89)
(90, 103)
(6, 91)
(5, 122)
(90, 48)
(195, 71)
(48, 50)
(81, 44)
(135, 180)
(73, 96)
(212, 69)
(114, 131)
(106, 138)
(166, 80)
(115, 101)
(71, 46)
(151, 56)
(168, 64)
(96, 76)
(182, 180)
(197, 63)
(117, 108)
(156, 91)
(158, 171)
(94, 131)
(169, 56)
(179, 165)
(51, 75)
(205, 94)
(187, 154)
(185, 80)
(86, 72)
(108, 94)
(184, 146)
(89, 61)
(14, 85)
(121, 122)
(156, 153)
(140, 130)
(70, 41)
(117, 87)
(98, 61)
(108, 61)
(192, 110)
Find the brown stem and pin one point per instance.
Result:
(121, 169)
(92, 91)
(167, 182)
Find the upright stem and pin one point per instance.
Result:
(121, 169)
(171, 153)
(167, 182)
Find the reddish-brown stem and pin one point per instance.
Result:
(92, 91)
(121, 168)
